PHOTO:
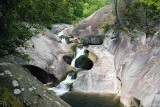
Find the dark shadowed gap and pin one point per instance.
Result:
(42, 75)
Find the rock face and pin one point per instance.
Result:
(20, 89)
(102, 77)
(137, 65)
(92, 25)
(46, 52)
(92, 40)
(56, 28)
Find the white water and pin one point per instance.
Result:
(64, 86)
(64, 41)
(60, 33)
(79, 52)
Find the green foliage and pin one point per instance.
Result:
(151, 3)
(7, 99)
(106, 26)
(87, 8)
(91, 6)
(141, 16)
(19, 17)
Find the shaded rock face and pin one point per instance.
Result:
(111, 40)
(42, 75)
(83, 62)
(102, 77)
(67, 59)
(92, 40)
(92, 24)
(137, 65)
(18, 84)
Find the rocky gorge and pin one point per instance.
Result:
(126, 66)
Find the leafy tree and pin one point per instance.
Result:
(19, 16)
(91, 6)
(140, 14)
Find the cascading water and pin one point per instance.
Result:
(64, 41)
(79, 52)
(60, 34)
(64, 86)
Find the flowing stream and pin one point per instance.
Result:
(64, 41)
(64, 86)
(79, 52)
(78, 99)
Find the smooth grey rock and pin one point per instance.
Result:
(56, 28)
(92, 25)
(102, 77)
(45, 52)
(138, 70)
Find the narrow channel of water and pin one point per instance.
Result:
(78, 99)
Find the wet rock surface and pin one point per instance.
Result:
(92, 40)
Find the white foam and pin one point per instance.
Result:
(64, 41)
(63, 87)
(60, 33)
(79, 52)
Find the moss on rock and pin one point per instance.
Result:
(7, 99)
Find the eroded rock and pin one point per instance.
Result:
(45, 52)
(137, 65)
(102, 77)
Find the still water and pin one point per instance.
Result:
(77, 99)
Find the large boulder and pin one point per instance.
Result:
(45, 52)
(102, 77)
(92, 25)
(20, 89)
(137, 63)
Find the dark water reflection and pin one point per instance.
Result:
(76, 99)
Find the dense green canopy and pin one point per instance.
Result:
(19, 16)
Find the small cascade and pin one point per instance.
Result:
(64, 41)
(64, 86)
(79, 52)
(60, 34)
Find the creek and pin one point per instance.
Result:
(78, 99)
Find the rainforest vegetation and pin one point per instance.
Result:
(19, 17)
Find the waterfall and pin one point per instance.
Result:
(60, 34)
(64, 41)
(64, 86)
(79, 52)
